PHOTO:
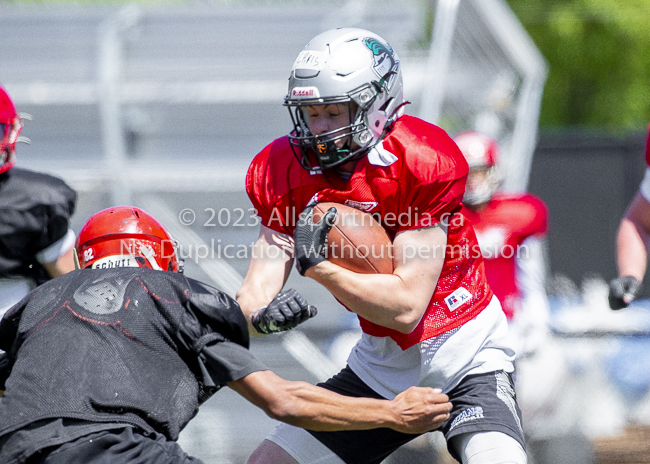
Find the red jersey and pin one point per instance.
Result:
(414, 178)
(502, 227)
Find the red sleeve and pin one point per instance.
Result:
(538, 221)
(435, 183)
(259, 186)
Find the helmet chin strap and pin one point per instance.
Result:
(147, 252)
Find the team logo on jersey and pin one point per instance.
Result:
(459, 297)
(365, 206)
(384, 59)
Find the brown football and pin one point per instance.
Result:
(357, 241)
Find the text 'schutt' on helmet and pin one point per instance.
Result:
(10, 127)
(346, 65)
(481, 152)
(125, 236)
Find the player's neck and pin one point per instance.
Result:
(345, 170)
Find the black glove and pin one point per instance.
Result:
(622, 291)
(284, 312)
(311, 239)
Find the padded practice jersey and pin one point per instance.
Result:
(124, 346)
(35, 212)
(415, 178)
(502, 228)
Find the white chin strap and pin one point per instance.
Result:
(148, 253)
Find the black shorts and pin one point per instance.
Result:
(122, 446)
(481, 403)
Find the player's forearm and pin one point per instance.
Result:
(251, 296)
(632, 239)
(268, 270)
(416, 411)
(385, 299)
(630, 251)
(315, 408)
(63, 265)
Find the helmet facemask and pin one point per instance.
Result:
(9, 131)
(481, 153)
(337, 146)
(481, 191)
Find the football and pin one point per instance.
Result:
(357, 241)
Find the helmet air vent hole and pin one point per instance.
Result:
(385, 105)
(305, 73)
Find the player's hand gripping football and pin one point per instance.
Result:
(421, 409)
(311, 239)
(622, 291)
(284, 312)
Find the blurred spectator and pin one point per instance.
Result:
(36, 242)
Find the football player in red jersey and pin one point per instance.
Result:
(108, 363)
(36, 242)
(434, 320)
(511, 231)
(631, 244)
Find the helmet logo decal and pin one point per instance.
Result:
(113, 261)
(322, 148)
(305, 92)
(384, 59)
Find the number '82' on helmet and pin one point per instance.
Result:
(343, 66)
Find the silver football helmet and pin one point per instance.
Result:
(346, 65)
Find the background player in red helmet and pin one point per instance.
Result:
(434, 320)
(36, 242)
(631, 244)
(511, 231)
(110, 362)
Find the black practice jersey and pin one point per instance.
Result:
(35, 212)
(128, 346)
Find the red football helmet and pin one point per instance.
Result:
(125, 236)
(479, 150)
(10, 127)
(482, 154)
